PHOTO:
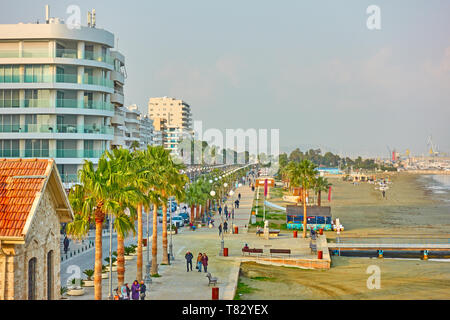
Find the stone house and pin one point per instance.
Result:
(33, 203)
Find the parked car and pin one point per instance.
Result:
(185, 217)
(178, 221)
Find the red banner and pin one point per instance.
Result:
(329, 194)
(265, 188)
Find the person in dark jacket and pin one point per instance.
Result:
(142, 290)
(220, 229)
(66, 244)
(225, 227)
(239, 196)
(220, 209)
(205, 262)
(188, 258)
(225, 210)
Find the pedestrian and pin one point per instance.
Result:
(128, 291)
(237, 204)
(124, 292)
(117, 295)
(66, 244)
(135, 290)
(239, 196)
(220, 209)
(220, 229)
(226, 211)
(142, 290)
(188, 258)
(205, 262)
(225, 227)
(199, 262)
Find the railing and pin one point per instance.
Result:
(60, 53)
(59, 78)
(10, 103)
(73, 103)
(60, 128)
(75, 153)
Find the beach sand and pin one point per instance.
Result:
(409, 210)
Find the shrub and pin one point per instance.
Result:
(89, 273)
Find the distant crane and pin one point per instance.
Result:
(433, 149)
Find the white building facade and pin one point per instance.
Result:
(61, 91)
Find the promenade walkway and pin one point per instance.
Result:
(175, 283)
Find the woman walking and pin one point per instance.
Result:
(135, 290)
(199, 262)
(142, 290)
(205, 262)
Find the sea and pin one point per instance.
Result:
(439, 185)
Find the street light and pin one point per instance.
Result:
(148, 278)
(231, 193)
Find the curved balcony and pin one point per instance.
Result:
(60, 53)
(58, 78)
(60, 128)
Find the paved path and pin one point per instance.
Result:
(175, 282)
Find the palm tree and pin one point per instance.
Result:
(93, 199)
(123, 163)
(321, 184)
(302, 174)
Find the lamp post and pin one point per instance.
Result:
(110, 258)
(148, 278)
(170, 244)
(231, 193)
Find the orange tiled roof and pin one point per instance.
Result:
(17, 194)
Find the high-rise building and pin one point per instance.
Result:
(172, 118)
(59, 90)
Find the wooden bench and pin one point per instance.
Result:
(211, 279)
(282, 251)
(254, 250)
(274, 233)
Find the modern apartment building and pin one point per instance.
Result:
(60, 89)
(172, 118)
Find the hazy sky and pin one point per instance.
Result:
(309, 68)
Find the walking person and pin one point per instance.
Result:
(239, 196)
(220, 210)
(188, 258)
(142, 290)
(199, 262)
(205, 262)
(128, 291)
(220, 229)
(66, 244)
(225, 227)
(135, 290)
(225, 210)
(124, 293)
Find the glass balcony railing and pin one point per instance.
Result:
(37, 103)
(67, 53)
(67, 78)
(75, 153)
(9, 153)
(59, 78)
(73, 103)
(8, 128)
(37, 153)
(10, 103)
(60, 53)
(69, 178)
(98, 81)
(60, 128)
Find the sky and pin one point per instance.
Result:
(311, 69)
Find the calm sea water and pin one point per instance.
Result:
(439, 184)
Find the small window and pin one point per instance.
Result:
(32, 279)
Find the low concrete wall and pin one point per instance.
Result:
(300, 263)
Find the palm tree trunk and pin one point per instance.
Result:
(154, 269)
(319, 198)
(192, 213)
(98, 257)
(139, 244)
(165, 259)
(197, 213)
(120, 260)
(304, 213)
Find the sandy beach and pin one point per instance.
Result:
(411, 208)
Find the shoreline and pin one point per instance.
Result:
(411, 209)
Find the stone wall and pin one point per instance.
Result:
(43, 236)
